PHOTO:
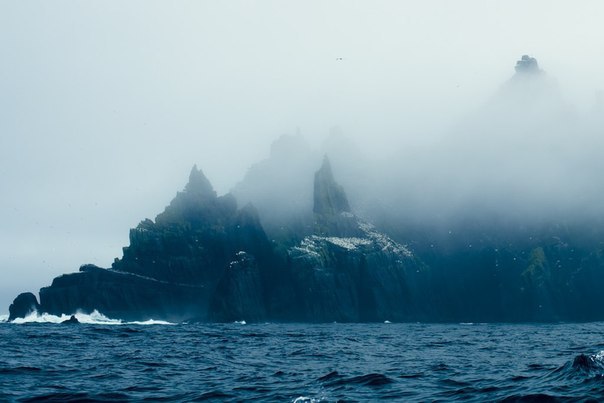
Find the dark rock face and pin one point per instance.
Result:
(331, 209)
(195, 238)
(199, 185)
(204, 259)
(367, 278)
(240, 293)
(348, 271)
(329, 197)
(122, 295)
(494, 271)
(174, 266)
(23, 305)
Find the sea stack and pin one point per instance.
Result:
(25, 304)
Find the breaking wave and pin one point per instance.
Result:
(584, 366)
(589, 363)
(94, 318)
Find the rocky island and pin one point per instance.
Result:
(443, 234)
(206, 259)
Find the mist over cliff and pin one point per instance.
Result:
(106, 106)
(525, 156)
(525, 153)
(505, 208)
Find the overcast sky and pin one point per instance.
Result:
(106, 105)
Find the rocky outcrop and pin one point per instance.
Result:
(332, 213)
(123, 295)
(329, 197)
(71, 321)
(195, 238)
(25, 304)
(176, 265)
(349, 271)
(204, 259)
(240, 294)
(527, 64)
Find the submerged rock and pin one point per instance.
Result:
(71, 321)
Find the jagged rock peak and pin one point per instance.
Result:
(199, 184)
(527, 64)
(329, 196)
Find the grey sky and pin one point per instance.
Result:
(105, 106)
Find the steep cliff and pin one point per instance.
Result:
(123, 295)
(177, 267)
(349, 271)
(205, 259)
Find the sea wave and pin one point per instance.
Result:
(3, 318)
(588, 363)
(313, 363)
(94, 318)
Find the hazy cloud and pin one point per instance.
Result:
(104, 107)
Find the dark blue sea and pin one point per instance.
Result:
(301, 362)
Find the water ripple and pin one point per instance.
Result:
(304, 363)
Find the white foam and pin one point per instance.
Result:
(3, 318)
(387, 322)
(305, 399)
(94, 318)
(240, 322)
(149, 322)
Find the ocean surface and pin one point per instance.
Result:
(106, 360)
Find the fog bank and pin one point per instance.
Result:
(106, 106)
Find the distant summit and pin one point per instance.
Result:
(527, 65)
(281, 188)
(199, 184)
(329, 197)
(348, 271)
(493, 223)
(530, 94)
